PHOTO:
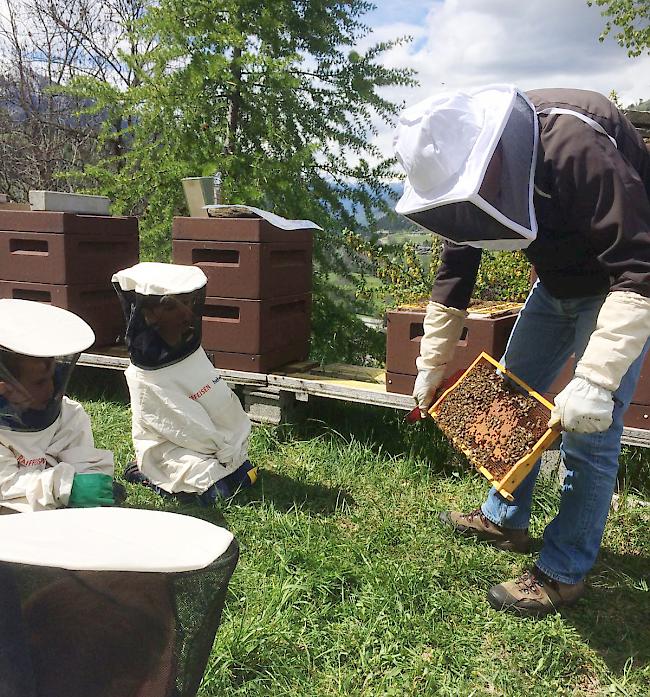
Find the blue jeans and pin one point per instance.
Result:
(545, 335)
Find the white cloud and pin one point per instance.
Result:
(531, 43)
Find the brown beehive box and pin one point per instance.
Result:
(64, 248)
(500, 425)
(68, 260)
(96, 303)
(245, 257)
(260, 362)
(257, 335)
(487, 328)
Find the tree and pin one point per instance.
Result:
(632, 21)
(272, 94)
(43, 45)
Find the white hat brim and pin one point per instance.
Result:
(103, 539)
(155, 278)
(36, 329)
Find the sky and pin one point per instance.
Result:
(530, 43)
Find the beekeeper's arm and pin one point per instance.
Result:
(185, 423)
(31, 489)
(444, 318)
(586, 404)
(609, 201)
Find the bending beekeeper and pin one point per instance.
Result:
(190, 431)
(47, 454)
(562, 175)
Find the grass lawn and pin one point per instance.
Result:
(347, 584)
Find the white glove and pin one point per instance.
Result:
(622, 329)
(442, 329)
(426, 384)
(583, 407)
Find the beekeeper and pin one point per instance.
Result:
(47, 454)
(562, 175)
(190, 431)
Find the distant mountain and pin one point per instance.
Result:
(392, 222)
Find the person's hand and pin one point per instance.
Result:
(426, 384)
(583, 407)
(90, 490)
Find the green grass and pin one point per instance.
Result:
(347, 584)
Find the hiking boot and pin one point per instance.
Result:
(243, 477)
(475, 524)
(534, 594)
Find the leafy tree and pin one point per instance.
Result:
(275, 96)
(630, 22)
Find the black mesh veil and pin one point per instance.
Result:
(110, 633)
(148, 344)
(33, 389)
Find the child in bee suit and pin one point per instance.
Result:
(47, 454)
(190, 431)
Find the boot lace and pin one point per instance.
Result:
(529, 582)
(477, 513)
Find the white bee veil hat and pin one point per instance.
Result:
(445, 145)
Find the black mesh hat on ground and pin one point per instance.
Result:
(110, 602)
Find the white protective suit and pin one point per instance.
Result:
(37, 467)
(189, 428)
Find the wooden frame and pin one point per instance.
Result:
(522, 467)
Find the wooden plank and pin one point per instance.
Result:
(346, 390)
(636, 436)
(116, 358)
(342, 371)
(307, 378)
(241, 377)
(100, 360)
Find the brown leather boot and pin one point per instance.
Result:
(475, 524)
(534, 594)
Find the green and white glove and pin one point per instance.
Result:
(442, 329)
(586, 404)
(90, 490)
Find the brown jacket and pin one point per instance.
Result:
(592, 203)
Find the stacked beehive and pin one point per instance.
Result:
(67, 260)
(258, 305)
(487, 328)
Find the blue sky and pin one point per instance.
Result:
(531, 43)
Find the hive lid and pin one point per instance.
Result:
(229, 229)
(219, 210)
(68, 223)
